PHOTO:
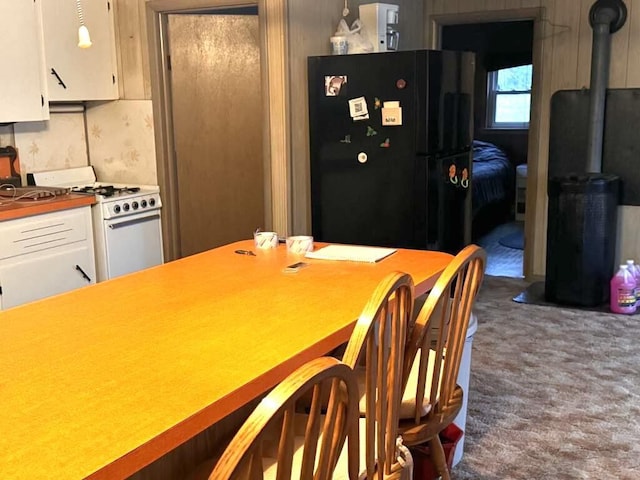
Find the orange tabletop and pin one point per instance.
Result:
(102, 381)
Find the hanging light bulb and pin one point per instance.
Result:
(84, 40)
(345, 10)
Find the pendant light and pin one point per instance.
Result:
(345, 10)
(84, 40)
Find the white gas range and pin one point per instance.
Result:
(126, 219)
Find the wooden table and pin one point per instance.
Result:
(101, 381)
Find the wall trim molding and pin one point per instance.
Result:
(535, 215)
(275, 61)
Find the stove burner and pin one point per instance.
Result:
(106, 190)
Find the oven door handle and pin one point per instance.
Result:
(133, 221)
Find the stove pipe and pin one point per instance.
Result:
(606, 17)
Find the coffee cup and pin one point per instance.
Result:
(339, 45)
(299, 244)
(265, 240)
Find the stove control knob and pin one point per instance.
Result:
(116, 209)
(152, 202)
(134, 205)
(125, 207)
(143, 204)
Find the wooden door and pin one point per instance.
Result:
(217, 112)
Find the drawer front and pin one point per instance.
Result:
(41, 232)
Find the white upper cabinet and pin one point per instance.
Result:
(74, 73)
(23, 89)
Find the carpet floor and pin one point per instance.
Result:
(554, 393)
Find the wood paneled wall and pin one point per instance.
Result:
(565, 39)
(131, 46)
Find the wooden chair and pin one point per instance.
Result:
(431, 397)
(376, 351)
(270, 436)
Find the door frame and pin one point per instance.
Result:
(435, 24)
(272, 19)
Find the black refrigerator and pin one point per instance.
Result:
(390, 138)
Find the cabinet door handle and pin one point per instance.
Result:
(86, 277)
(55, 74)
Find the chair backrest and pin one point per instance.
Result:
(377, 344)
(439, 333)
(327, 425)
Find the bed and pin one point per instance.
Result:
(493, 183)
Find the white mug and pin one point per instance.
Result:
(299, 244)
(265, 240)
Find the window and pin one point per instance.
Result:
(509, 97)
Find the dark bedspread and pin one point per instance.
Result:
(493, 176)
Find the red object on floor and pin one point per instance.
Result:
(423, 468)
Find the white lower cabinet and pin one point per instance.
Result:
(45, 255)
